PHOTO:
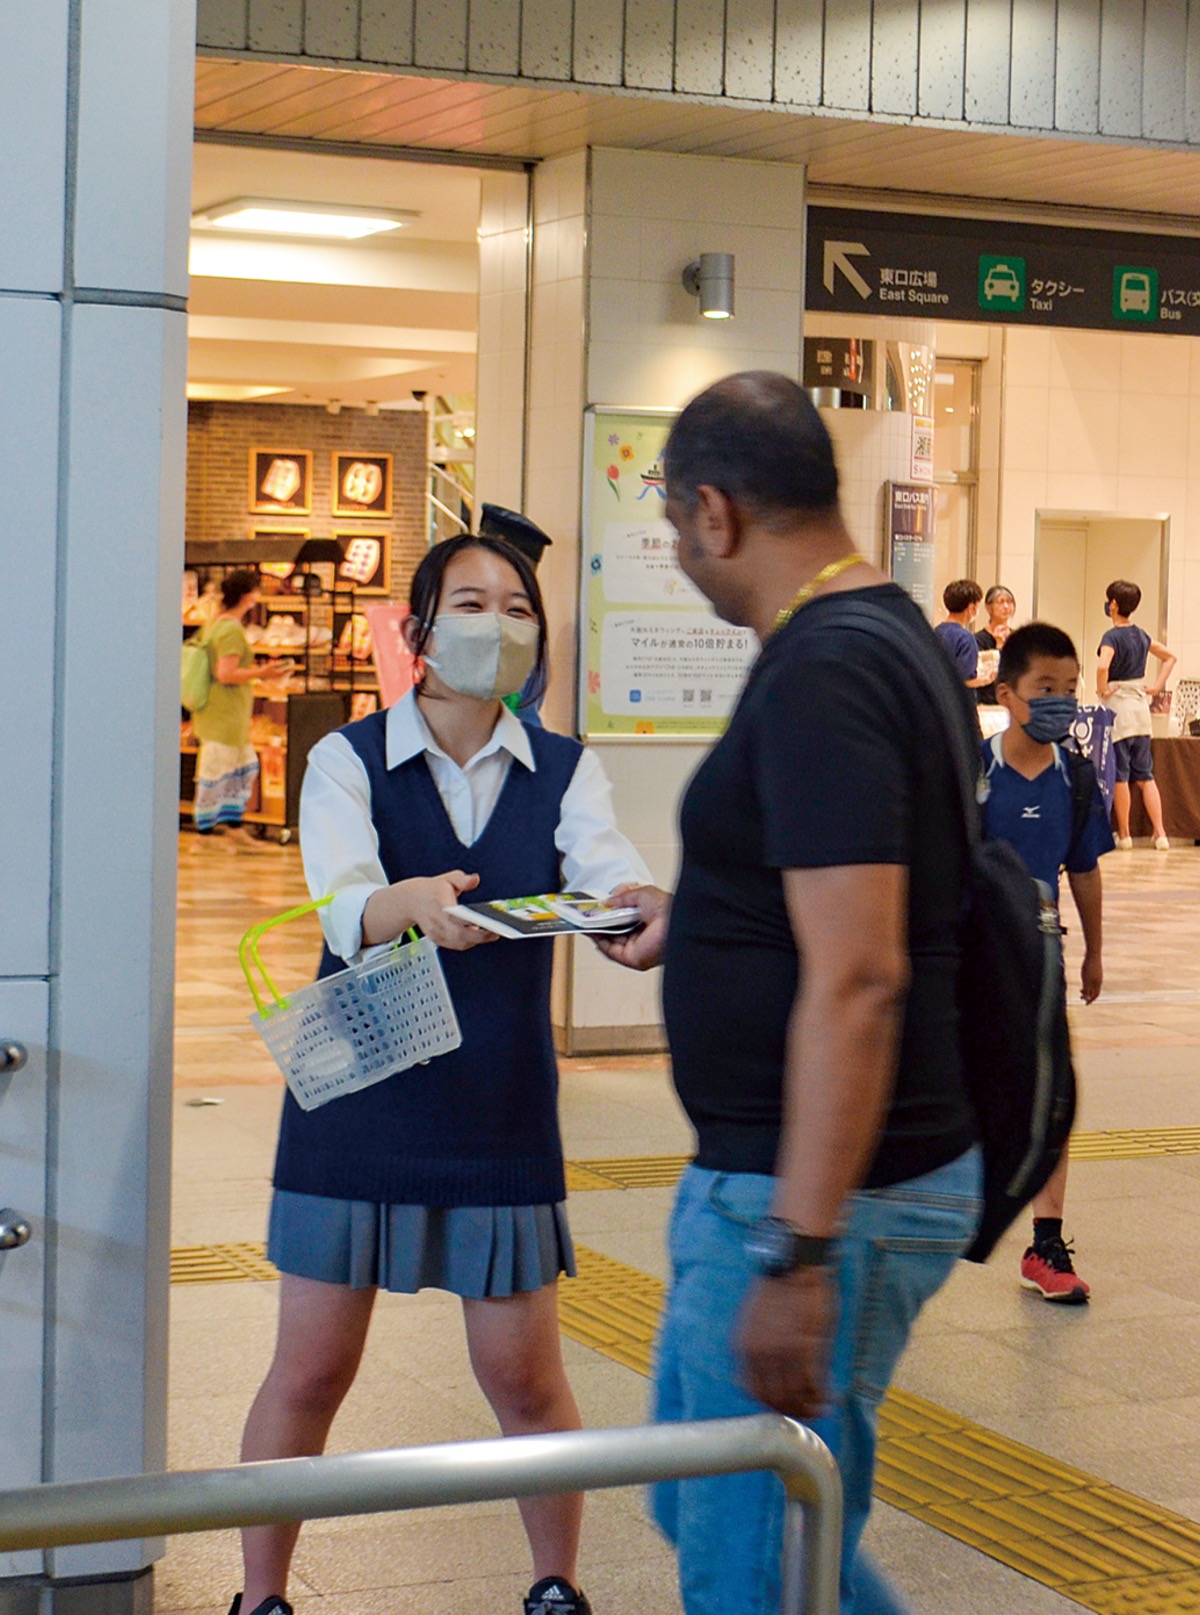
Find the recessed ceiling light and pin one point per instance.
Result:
(253, 215)
(229, 392)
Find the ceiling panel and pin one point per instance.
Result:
(320, 103)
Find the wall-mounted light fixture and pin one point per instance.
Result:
(710, 278)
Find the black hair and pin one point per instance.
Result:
(235, 586)
(426, 591)
(995, 591)
(1127, 595)
(758, 438)
(1035, 639)
(959, 595)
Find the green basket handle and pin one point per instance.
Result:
(248, 953)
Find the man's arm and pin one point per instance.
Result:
(1165, 670)
(851, 930)
(1085, 889)
(1102, 667)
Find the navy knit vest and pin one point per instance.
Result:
(479, 1126)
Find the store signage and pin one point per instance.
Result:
(861, 262)
(845, 363)
(909, 512)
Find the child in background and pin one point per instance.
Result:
(961, 600)
(1034, 792)
(1121, 685)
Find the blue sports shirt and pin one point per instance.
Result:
(1034, 817)
(959, 644)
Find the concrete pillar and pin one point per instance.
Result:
(95, 116)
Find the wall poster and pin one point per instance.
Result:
(655, 660)
(280, 482)
(909, 542)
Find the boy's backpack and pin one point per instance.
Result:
(1016, 1047)
(195, 673)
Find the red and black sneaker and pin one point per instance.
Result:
(1048, 1269)
(554, 1596)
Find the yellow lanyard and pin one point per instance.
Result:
(804, 595)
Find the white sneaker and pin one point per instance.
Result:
(1161, 844)
(1124, 843)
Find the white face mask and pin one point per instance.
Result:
(483, 654)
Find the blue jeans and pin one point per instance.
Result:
(899, 1247)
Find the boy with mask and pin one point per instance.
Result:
(1046, 803)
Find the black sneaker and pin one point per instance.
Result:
(269, 1606)
(550, 1596)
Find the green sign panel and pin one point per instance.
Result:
(1135, 294)
(1002, 284)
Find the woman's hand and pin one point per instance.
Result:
(423, 902)
(642, 949)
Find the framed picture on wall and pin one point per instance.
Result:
(367, 566)
(280, 481)
(362, 484)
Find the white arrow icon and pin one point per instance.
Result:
(837, 256)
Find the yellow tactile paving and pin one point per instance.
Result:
(217, 1264)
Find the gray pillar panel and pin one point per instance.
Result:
(1031, 81)
(546, 39)
(989, 44)
(1164, 79)
(222, 24)
(847, 55)
(33, 130)
(649, 44)
(331, 30)
(750, 49)
(942, 59)
(1192, 108)
(700, 46)
(494, 37)
(894, 39)
(112, 1001)
(440, 34)
(30, 336)
(131, 212)
(799, 30)
(1077, 67)
(276, 25)
(599, 43)
(1122, 25)
(386, 32)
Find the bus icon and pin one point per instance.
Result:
(1135, 293)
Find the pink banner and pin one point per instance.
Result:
(393, 662)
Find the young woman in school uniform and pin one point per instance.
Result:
(448, 1176)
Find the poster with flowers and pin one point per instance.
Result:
(656, 659)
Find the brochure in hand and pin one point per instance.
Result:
(553, 914)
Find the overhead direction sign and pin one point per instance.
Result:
(944, 268)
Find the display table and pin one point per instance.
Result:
(1177, 773)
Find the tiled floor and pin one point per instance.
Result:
(1113, 1388)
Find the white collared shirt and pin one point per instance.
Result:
(341, 849)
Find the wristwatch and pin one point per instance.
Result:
(775, 1248)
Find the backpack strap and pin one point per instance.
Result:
(939, 682)
(1081, 777)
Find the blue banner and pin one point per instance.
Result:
(1092, 733)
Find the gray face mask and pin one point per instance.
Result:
(484, 654)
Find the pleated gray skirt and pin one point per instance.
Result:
(472, 1251)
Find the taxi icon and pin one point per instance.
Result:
(1002, 281)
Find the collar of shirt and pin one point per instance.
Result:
(408, 735)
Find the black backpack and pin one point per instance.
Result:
(1012, 994)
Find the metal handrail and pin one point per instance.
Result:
(290, 1489)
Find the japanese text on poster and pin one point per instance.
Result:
(656, 659)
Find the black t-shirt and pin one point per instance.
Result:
(985, 694)
(831, 758)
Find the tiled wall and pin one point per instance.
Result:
(220, 437)
(1106, 423)
(500, 386)
(1113, 67)
(650, 214)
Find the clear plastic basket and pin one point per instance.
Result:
(357, 1027)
